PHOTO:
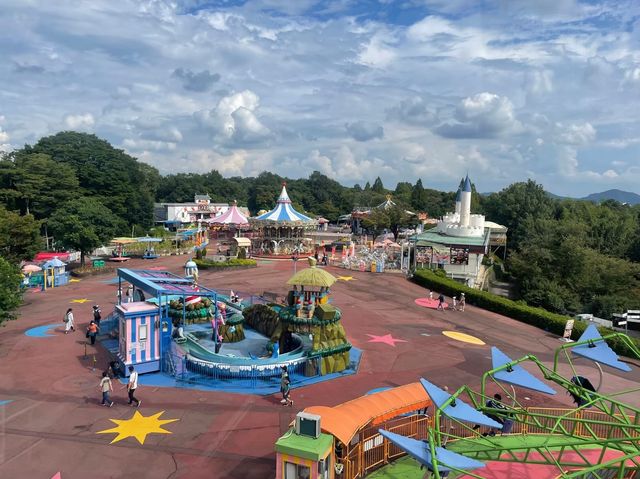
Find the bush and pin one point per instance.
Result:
(231, 263)
(541, 318)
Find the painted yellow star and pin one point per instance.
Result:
(74, 280)
(83, 300)
(346, 278)
(138, 426)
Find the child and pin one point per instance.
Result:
(285, 388)
(463, 302)
(106, 387)
(455, 304)
(68, 321)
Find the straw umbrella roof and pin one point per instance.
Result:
(312, 276)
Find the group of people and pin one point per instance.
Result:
(456, 304)
(323, 260)
(106, 386)
(94, 326)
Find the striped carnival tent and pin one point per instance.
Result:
(284, 212)
(232, 216)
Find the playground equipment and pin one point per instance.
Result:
(564, 439)
(149, 252)
(119, 253)
(467, 432)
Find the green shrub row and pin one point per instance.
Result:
(208, 264)
(518, 310)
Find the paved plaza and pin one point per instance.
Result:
(51, 418)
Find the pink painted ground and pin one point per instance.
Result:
(52, 421)
(429, 303)
(510, 470)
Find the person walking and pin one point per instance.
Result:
(430, 294)
(285, 387)
(441, 302)
(463, 302)
(97, 315)
(106, 387)
(129, 294)
(68, 321)
(92, 332)
(454, 306)
(132, 385)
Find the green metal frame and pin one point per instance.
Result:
(573, 432)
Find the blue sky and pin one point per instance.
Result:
(431, 89)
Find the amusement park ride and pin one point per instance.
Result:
(600, 438)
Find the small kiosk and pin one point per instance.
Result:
(139, 336)
(304, 452)
(145, 327)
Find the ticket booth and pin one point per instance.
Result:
(304, 452)
(139, 339)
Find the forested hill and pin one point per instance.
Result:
(564, 255)
(617, 195)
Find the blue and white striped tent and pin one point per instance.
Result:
(284, 212)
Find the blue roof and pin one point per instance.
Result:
(515, 374)
(284, 211)
(53, 263)
(458, 409)
(598, 350)
(458, 196)
(421, 451)
(467, 185)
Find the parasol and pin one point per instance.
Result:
(312, 277)
(148, 239)
(31, 268)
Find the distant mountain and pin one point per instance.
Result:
(618, 195)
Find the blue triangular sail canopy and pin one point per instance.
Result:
(516, 375)
(421, 452)
(598, 350)
(461, 410)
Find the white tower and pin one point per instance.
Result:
(465, 203)
(458, 199)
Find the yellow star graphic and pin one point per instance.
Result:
(138, 426)
(346, 278)
(74, 280)
(83, 300)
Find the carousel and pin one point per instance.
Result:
(282, 230)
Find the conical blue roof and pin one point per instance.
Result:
(458, 196)
(283, 210)
(467, 185)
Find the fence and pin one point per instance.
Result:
(220, 375)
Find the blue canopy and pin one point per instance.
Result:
(284, 211)
(515, 374)
(458, 409)
(421, 452)
(53, 263)
(598, 350)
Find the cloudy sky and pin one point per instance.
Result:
(504, 89)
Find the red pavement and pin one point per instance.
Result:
(52, 421)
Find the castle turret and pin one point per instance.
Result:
(458, 200)
(465, 203)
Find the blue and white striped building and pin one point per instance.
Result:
(284, 211)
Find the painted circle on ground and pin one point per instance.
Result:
(41, 331)
(465, 338)
(429, 303)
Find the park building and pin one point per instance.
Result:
(459, 241)
(175, 215)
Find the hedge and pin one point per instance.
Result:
(231, 263)
(541, 318)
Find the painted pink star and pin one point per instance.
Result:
(387, 339)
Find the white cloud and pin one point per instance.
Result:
(4, 136)
(484, 115)
(545, 88)
(79, 122)
(576, 134)
(234, 119)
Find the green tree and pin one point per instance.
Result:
(391, 219)
(378, 187)
(19, 236)
(35, 183)
(104, 173)
(83, 225)
(10, 293)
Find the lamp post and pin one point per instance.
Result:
(294, 258)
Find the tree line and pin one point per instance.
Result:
(564, 255)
